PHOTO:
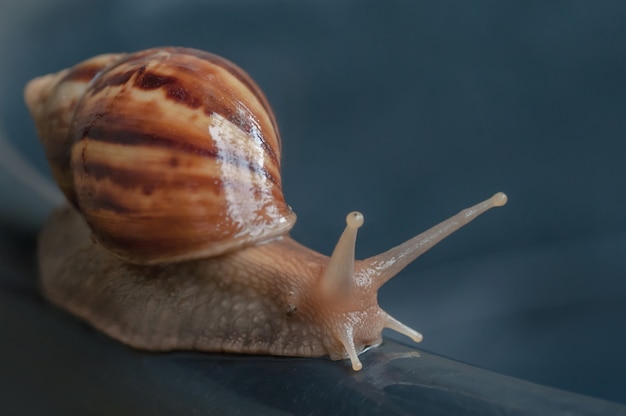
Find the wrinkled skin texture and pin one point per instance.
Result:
(261, 299)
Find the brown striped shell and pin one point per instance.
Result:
(170, 154)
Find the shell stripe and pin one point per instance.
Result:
(129, 178)
(114, 80)
(132, 137)
(83, 73)
(238, 73)
(176, 89)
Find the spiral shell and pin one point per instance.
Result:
(170, 154)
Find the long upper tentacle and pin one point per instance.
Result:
(384, 266)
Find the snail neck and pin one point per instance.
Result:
(282, 258)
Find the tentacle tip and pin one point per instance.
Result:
(354, 219)
(356, 365)
(499, 199)
(417, 337)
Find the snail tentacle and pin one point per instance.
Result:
(384, 266)
(338, 278)
(347, 340)
(395, 325)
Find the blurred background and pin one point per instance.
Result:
(408, 111)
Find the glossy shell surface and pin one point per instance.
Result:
(175, 154)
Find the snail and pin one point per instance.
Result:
(176, 231)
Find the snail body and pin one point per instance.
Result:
(175, 235)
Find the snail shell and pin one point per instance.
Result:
(176, 236)
(170, 154)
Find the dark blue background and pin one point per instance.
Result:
(410, 111)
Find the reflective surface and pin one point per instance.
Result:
(53, 364)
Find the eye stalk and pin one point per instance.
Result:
(338, 278)
(338, 282)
